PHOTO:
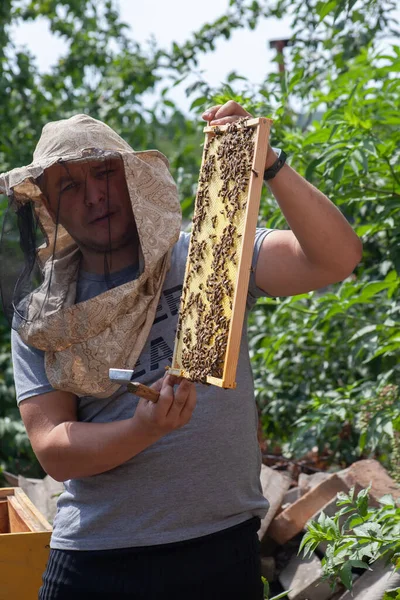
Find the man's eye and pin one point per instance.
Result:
(70, 186)
(105, 173)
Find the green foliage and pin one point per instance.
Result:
(356, 536)
(327, 354)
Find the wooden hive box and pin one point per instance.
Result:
(24, 546)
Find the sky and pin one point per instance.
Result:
(247, 52)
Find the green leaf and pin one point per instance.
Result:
(362, 502)
(281, 595)
(346, 575)
(169, 103)
(324, 8)
(338, 172)
(362, 332)
(393, 594)
(359, 564)
(201, 101)
(387, 500)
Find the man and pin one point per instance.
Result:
(161, 501)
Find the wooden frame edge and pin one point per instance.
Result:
(250, 122)
(243, 276)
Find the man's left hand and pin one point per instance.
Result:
(231, 111)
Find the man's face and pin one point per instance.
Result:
(91, 200)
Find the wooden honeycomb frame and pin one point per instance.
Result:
(215, 288)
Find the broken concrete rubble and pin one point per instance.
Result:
(373, 584)
(303, 577)
(290, 521)
(291, 496)
(274, 485)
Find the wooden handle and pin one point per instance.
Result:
(143, 391)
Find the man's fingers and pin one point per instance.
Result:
(182, 393)
(221, 114)
(209, 114)
(189, 405)
(226, 120)
(166, 398)
(157, 385)
(231, 109)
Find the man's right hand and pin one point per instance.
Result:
(173, 409)
(71, 449)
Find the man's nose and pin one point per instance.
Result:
(95, 191)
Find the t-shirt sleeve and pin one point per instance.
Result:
(254, 291)
(29, 371)
(179, 257)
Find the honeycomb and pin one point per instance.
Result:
(220, 251)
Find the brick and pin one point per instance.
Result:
(293, 519)
(308, 482)
(302, 576)
(364, 472)
(330, 509)
(274, 485)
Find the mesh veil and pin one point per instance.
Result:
(21, 270)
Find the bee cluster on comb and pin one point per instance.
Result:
(215, 252)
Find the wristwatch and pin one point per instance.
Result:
(276, 166)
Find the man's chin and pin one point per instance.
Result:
(100, 246)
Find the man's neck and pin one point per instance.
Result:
(94, 262)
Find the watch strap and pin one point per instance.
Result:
(276, 166)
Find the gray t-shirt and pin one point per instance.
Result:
(194, 481)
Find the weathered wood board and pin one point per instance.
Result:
(24, 546)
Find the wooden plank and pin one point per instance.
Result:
(5, 492)
(249, 123)
(221, 382)
(242, 284)
(4, 522)
(17, 518)
(41, 523)
(23, 558)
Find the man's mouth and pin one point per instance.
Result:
(101, 218)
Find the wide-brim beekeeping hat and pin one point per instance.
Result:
(82, 341)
